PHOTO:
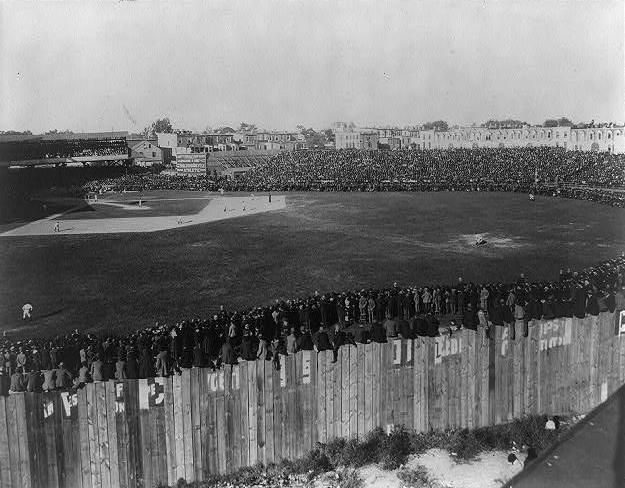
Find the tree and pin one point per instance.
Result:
(15, 133)
(245, 127)
(329, 135)
(439, 125)
(159, 125)
(561, 122)
(313, 138)
(55, 131)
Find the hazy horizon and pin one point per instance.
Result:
(121, 65)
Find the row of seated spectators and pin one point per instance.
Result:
(65, 148)
(549, 171)
(318, 322)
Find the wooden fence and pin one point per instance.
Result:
(138, 433)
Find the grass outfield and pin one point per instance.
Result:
(321, 241)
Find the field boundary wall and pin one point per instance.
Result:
(139, 433)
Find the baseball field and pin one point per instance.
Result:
(115, 264)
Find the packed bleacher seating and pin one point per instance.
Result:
(319, 322)
(42, 149)
(543, 170)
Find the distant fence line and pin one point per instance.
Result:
(137, 433)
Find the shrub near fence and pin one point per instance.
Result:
(137, 433)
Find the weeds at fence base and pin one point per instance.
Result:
(339, 458)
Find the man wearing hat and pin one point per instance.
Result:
(63, 377)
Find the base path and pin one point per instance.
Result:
(219, 208)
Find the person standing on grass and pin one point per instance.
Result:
(26, 311)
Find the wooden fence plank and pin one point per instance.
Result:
(368, 389)
(260, 410)
(109, 403)
(298, 426)
(5, 461)
(244, 429)
(360, 394)
(345, 391)
(353, 391)
(145, 434)
(25, 468)
(157, 414)
(236, 417)
(195, 395)
(178, 426)
(92, 423)
(211, 423)
(170, 431)
(187, 426)
(268, 412)
(314, 389)
(320, 359)
(121, 424)
(278, 412)
(290, 417)
(330, 388)
(103, 442)
(220, 416)
(252, 413)
(307, 400)
(337, 412)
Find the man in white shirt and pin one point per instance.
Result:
(26, 310)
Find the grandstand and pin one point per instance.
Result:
(234, 164)
(63, 149)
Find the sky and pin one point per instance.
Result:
(89, 66)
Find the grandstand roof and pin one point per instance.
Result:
(59, 137)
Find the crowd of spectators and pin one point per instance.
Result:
(541, 170)
(62, 148)
(318, 322)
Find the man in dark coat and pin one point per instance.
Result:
(361, 334)
(378, 333)
(321, 340)
(304, 340)
(227, 353)
(248, 348)
(469, 319)
(433, 324)
(421, 326)
(405, 331)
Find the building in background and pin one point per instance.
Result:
(146, 153)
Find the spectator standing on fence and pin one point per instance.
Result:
(162, 363)
(33, 381)
(361, 335)
(83, 373)
(321, 340)
(17, 382)
(304, 341)
(291, 342)
(49, 383)
(5, 382)
(63, 377)
(120, 368)
(96, 369)
(390, 326)
(378, 333)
